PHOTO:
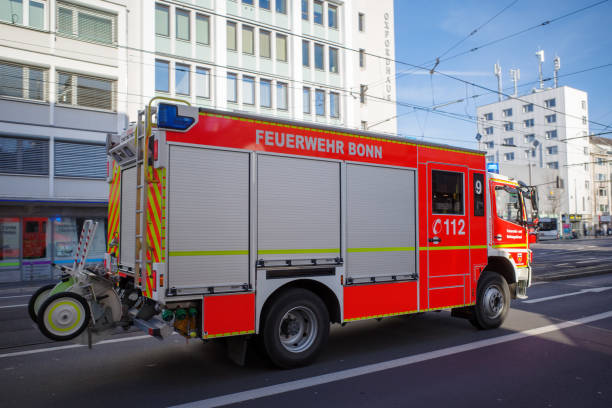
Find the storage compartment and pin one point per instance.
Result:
(128, 218)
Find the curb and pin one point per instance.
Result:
(572, 274)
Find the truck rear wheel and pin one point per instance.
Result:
(37, 299)
(63, 316)
(492, 301)
(295, 328)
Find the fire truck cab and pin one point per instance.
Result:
(226, 225)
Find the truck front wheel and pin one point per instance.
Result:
(295, 328)
(492, 301)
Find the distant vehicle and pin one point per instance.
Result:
(549, 229)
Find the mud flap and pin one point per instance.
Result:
(237, 349)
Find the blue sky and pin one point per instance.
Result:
(424, 29)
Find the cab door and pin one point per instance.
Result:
(448, 232)
(508, 231)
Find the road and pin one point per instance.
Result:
(554, 350)
(561, 258)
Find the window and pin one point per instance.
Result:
(86, 24)
(447, 192)
(603, 192)
(601, 177)
(248, 40)
(508, 126)
(507, 112)
(551, 118)
(528, 108)
(320, 102)
(162, 75)
(202, 29)
(364, 125)
(333, 60)
(162, 20)
(21, 81)
(281, 96)
(334, 105)
(36, 11)
(281, 47)
(24, 156)
(550, 103)
(304, 9)
(488, 116)
(489, 145)
(551, 134)
(586, 151)
(552, 150)
(232, 88)
(317, 12)
(181, 79)
(248, 90)
(231, 36)
(332, 16)
(265, 44)
(306, 100)
(361, 22)
(265, 93)
(249, 2)
(490, 158)
(80, 90)
(509, 156)
(11, 11)
(529, 138)
(489, 130)
(362, 57)
(603, 208)
(600, 160)
(305, 53)
(552, 165)
(507, 204)
(79, 160)
(318, 55)
(583, 104)
(182, 24)
(584, 120)
(281, 6)
(528, 123)
(264, 4)
(202, 82)
(586, 184)
(362, 93)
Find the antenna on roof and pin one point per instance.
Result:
(557, 62)
(516, 75)
(540, 55)
(497, 70)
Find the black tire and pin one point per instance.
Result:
(37, 299)
(295, 328)
(492, 301)
(66, 323)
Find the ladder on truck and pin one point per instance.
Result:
(144, 179)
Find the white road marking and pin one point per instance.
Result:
(71, 346)
(587, 260)
(16, 296)
(7, 307)
(562, 264)
(538, 283)
(386, 365)
(544, 299)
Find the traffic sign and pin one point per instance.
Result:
(493, 167)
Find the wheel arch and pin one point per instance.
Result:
(503, 266)
(321, 290)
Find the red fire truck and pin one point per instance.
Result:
(231, 225)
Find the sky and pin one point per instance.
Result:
(426, 29)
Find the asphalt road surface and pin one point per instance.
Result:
(561, 258)
(554, 350)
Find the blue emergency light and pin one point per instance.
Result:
(168, 117)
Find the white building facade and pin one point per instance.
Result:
(326, 61)
(542, 139)
(601, 176)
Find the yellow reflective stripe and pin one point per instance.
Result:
(298, 251)
(406, 312)
(208, 253)
(506, 182)
(381, 249)
(522, 246)
(445, 248)
(236, 333)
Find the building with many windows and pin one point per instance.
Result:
(601, 179)
(63, 87)
(541, 139)
(72, 71)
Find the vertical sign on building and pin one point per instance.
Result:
(388, 44)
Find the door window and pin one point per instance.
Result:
(507, 203)
(447, 192)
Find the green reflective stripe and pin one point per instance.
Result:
(9, 263)
(208, 253)
(382, 249)
(444, 248)
(298, 251)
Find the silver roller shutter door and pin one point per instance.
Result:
(128, 217)
(208, 232)
(298, 203)
(381, 229)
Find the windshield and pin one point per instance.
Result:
(548, 225)
(507, 204)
